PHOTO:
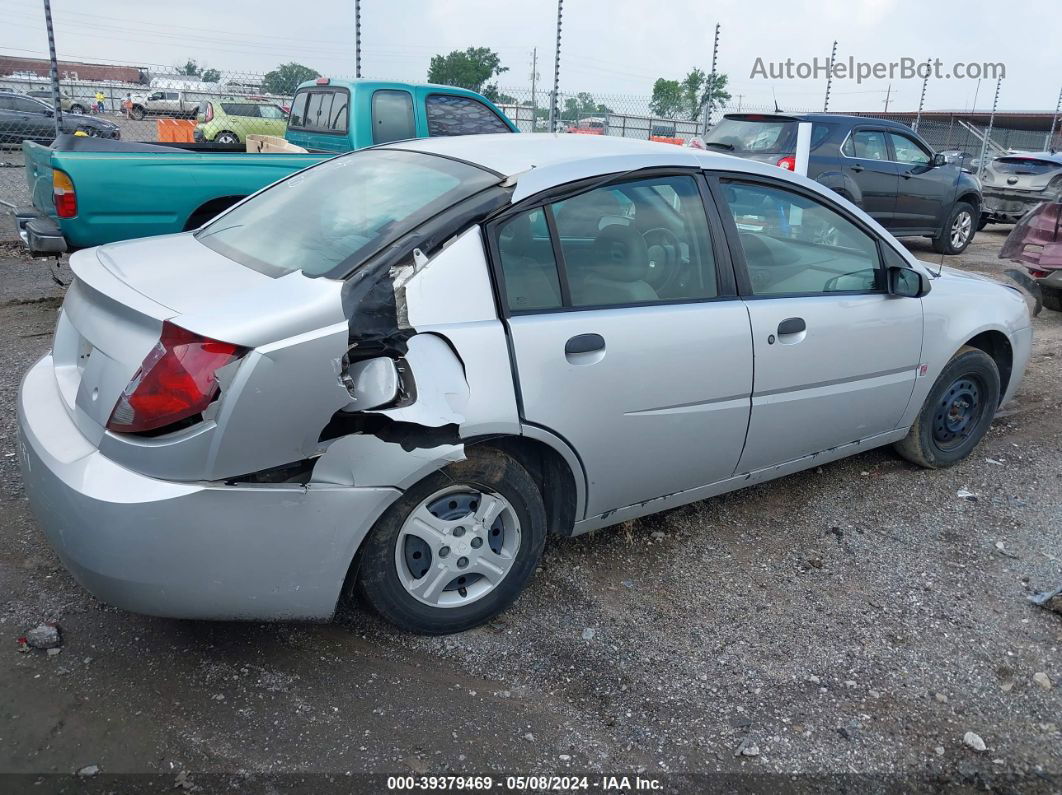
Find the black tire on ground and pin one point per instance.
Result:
(75, 108)
(1052, 298)
(136, 113)
(485, 469)
(944, 243)
(226, 137)
(970, 373)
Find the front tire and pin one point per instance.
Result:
(136, 113)
(77, 109)
(958, 229)
(957, 412)
(227, 138)
(457, 548)
(1052, 298)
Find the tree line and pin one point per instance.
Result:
(476, 68)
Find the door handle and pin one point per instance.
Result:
(792, 325)
(584, 343)
(857, 168)
(906, 174)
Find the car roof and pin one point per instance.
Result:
(510, 154)
(845, 118)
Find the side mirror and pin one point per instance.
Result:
(371, 383)
(939, 159)
(907, 283)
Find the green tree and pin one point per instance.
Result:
(211, 76)
(688, 97)
(667, 98)
(470, 68)
(286, 78)
(190, 68)
(583, 104)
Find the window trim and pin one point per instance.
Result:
(717, 178)
(322, 90)
(488, 108)
(726, 280)
(907, 133)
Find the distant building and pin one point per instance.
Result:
(72, 70)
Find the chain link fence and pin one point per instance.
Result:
(181, 110)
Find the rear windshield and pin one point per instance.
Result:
(1024, 165)
(328, 219)
(752, 135)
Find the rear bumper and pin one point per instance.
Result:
(185, 550)
(1004, 205)
(40, 234)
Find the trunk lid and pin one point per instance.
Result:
(114, 308)
(1021, 173)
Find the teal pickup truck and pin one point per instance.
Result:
(89, 191)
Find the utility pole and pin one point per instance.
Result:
(556, 71)
(888, 94)
(53, 70)
(1054, 121)
(711, 83)
(740, 96)
(829, 78)
(534, 93)
(922, 99)
(357, 38)
(988, 133)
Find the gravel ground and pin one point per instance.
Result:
(859, 618)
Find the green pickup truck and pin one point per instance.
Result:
(90, 191)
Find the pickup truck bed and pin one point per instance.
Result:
(126, 189)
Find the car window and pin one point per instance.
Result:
(270, 112)
(297, 118)
(636, 242)
(328, 219)
(172, 95)
(909, 151)
(797, 245)
(240, 109)
(392, 116)
(867, 144)
(754, 134)
(27, 105)
(450, 115)
(7, 103)
(529, 269)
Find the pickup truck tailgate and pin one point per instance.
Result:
(39, 176)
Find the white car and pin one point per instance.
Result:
(406, 366)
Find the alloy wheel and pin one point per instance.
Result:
(960, 229)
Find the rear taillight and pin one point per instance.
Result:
(177, 380)
(63, 194)
(209, 116)
(788, 163)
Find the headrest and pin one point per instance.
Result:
(620, 254)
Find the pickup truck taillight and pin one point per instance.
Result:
(177, 381)
(788, 163)
(63, 194)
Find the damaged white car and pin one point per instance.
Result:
(404, 368)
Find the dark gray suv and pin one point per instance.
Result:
(883, 166)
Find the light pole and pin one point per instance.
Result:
(711, 82)
(922, 99)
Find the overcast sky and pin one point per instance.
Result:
(610, 47)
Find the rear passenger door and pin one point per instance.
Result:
(875, 177)
(628, 339)
(836, 355)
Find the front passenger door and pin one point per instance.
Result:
(836, 356)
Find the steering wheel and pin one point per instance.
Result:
(665, 256)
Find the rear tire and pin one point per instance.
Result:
(136, 113)
(227, 137)
(1052, 298)
(958, 229)
(957, 412)
(77, 108)
(403, 554)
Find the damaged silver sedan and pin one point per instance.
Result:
(404, 368)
